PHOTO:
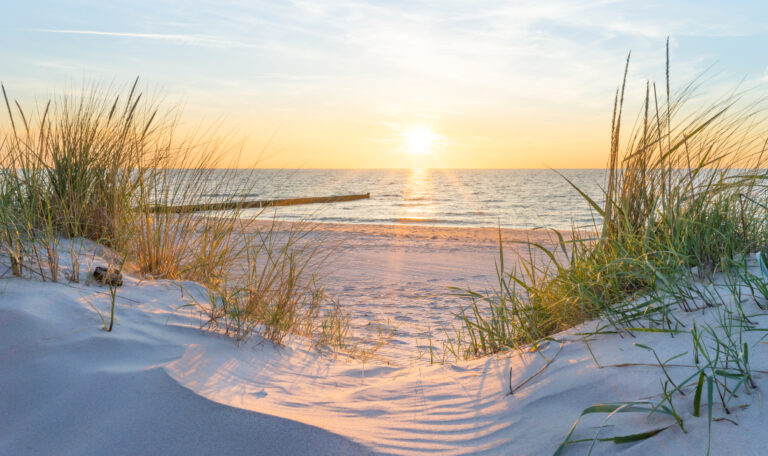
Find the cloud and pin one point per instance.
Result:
(185, 39)
(421, 56)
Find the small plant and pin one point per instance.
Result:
(334, 330)
(275, 293)
(52, 252)
(612, 409)
(112, 299)
(74, 258)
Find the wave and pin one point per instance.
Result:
(431, 221)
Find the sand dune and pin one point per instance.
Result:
(160, 385)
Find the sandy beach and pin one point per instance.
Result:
(160, 384)
(400, 278)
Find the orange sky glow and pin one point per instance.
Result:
(329, 84)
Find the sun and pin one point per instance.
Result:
(419, 140)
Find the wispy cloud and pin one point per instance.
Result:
(186, 39)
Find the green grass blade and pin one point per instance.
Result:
(697, 395)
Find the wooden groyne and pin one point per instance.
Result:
(258, 204)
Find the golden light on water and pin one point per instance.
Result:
(418, 196)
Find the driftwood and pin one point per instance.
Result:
(108, 276)
(258, 204)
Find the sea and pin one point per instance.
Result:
(509, 198)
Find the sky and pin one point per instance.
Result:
(395, 84)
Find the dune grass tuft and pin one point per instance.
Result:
(681, 193)
(107, 166)
(683, 208)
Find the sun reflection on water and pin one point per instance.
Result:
(418, 197)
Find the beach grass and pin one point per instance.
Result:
(106, 165)
(272, 288)
(720, 365)
(720, 362)
(683, 191)
(681, 213)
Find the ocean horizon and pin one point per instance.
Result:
(510, 198)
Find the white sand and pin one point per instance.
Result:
(399, 278)
(160, 385)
